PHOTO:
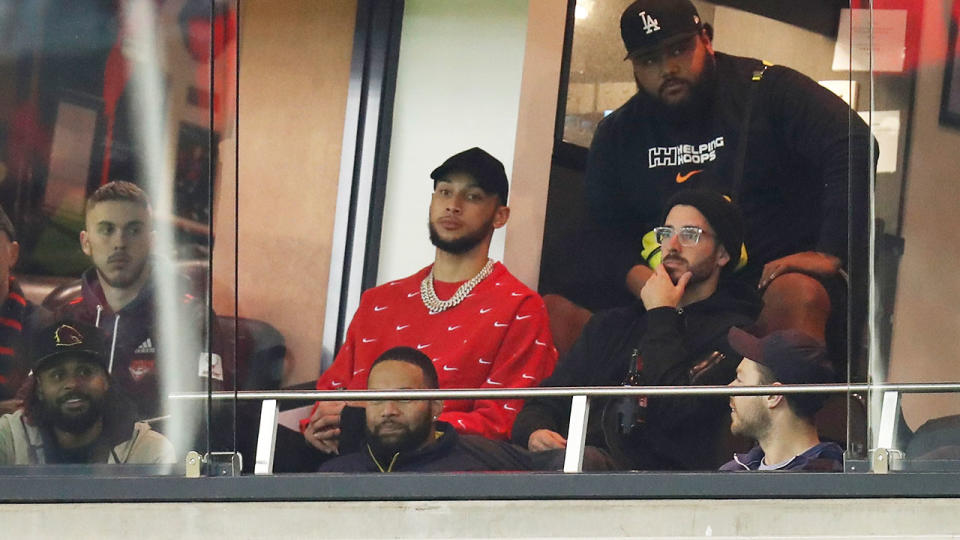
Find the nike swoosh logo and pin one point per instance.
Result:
(401, 327)
(495, 323)
(491, 381)
(681, 178)
(452, 328)
(422, 347)
(365, 340)
(488, 310)
(448, 368)
(336, 383)
(520, 318)
(516, 294)
(509, 408)
(379, 308)
(358, 371)
(414, 293)
(540, 343)
(525, 376)
(482, 361)
(464, 426)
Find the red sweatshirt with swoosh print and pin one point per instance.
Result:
(497, 337)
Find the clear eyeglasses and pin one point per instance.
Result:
(688, 235)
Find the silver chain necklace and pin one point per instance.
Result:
(435, 305)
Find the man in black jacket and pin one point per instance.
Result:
(405, 435)
(675, 336)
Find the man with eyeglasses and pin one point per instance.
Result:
(676, 335)
(791, 153)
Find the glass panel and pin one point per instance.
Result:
(109, 101)
(913, 322)
(293, 96)
(805, 172)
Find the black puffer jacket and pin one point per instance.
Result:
(674, 346)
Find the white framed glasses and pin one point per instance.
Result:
(688, 235)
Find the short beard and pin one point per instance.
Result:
(53, 416)
(699, 272)
(459, 246)
(410, 440)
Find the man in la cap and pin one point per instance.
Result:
(676, 335)
(481, 327)
(782, 425)
(788, 151)
(71, 412)
(18, 319)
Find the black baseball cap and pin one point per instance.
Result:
(67, 338)
(793, 356)
(648, 24)
(485, 169)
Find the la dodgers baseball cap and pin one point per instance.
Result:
(648, 24)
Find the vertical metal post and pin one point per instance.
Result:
(885, 454)
(577, 434)
(267, 437)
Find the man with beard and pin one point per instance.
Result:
(405, 435)
(676, 336)
(782, 425)
(481, 327)
(784, 148)
(71, 414)
(117, 295)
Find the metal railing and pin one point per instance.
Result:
(580, 405)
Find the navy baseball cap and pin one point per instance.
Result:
(648, 24)
(485, 169)
(67, 338)
(793, 356)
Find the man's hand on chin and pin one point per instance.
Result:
(660, 291)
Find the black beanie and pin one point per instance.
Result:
(722, 214)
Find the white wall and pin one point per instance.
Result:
(458, 86)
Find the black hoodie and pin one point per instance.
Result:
(675, 346)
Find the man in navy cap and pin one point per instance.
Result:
(782, 425)
(788, 151)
